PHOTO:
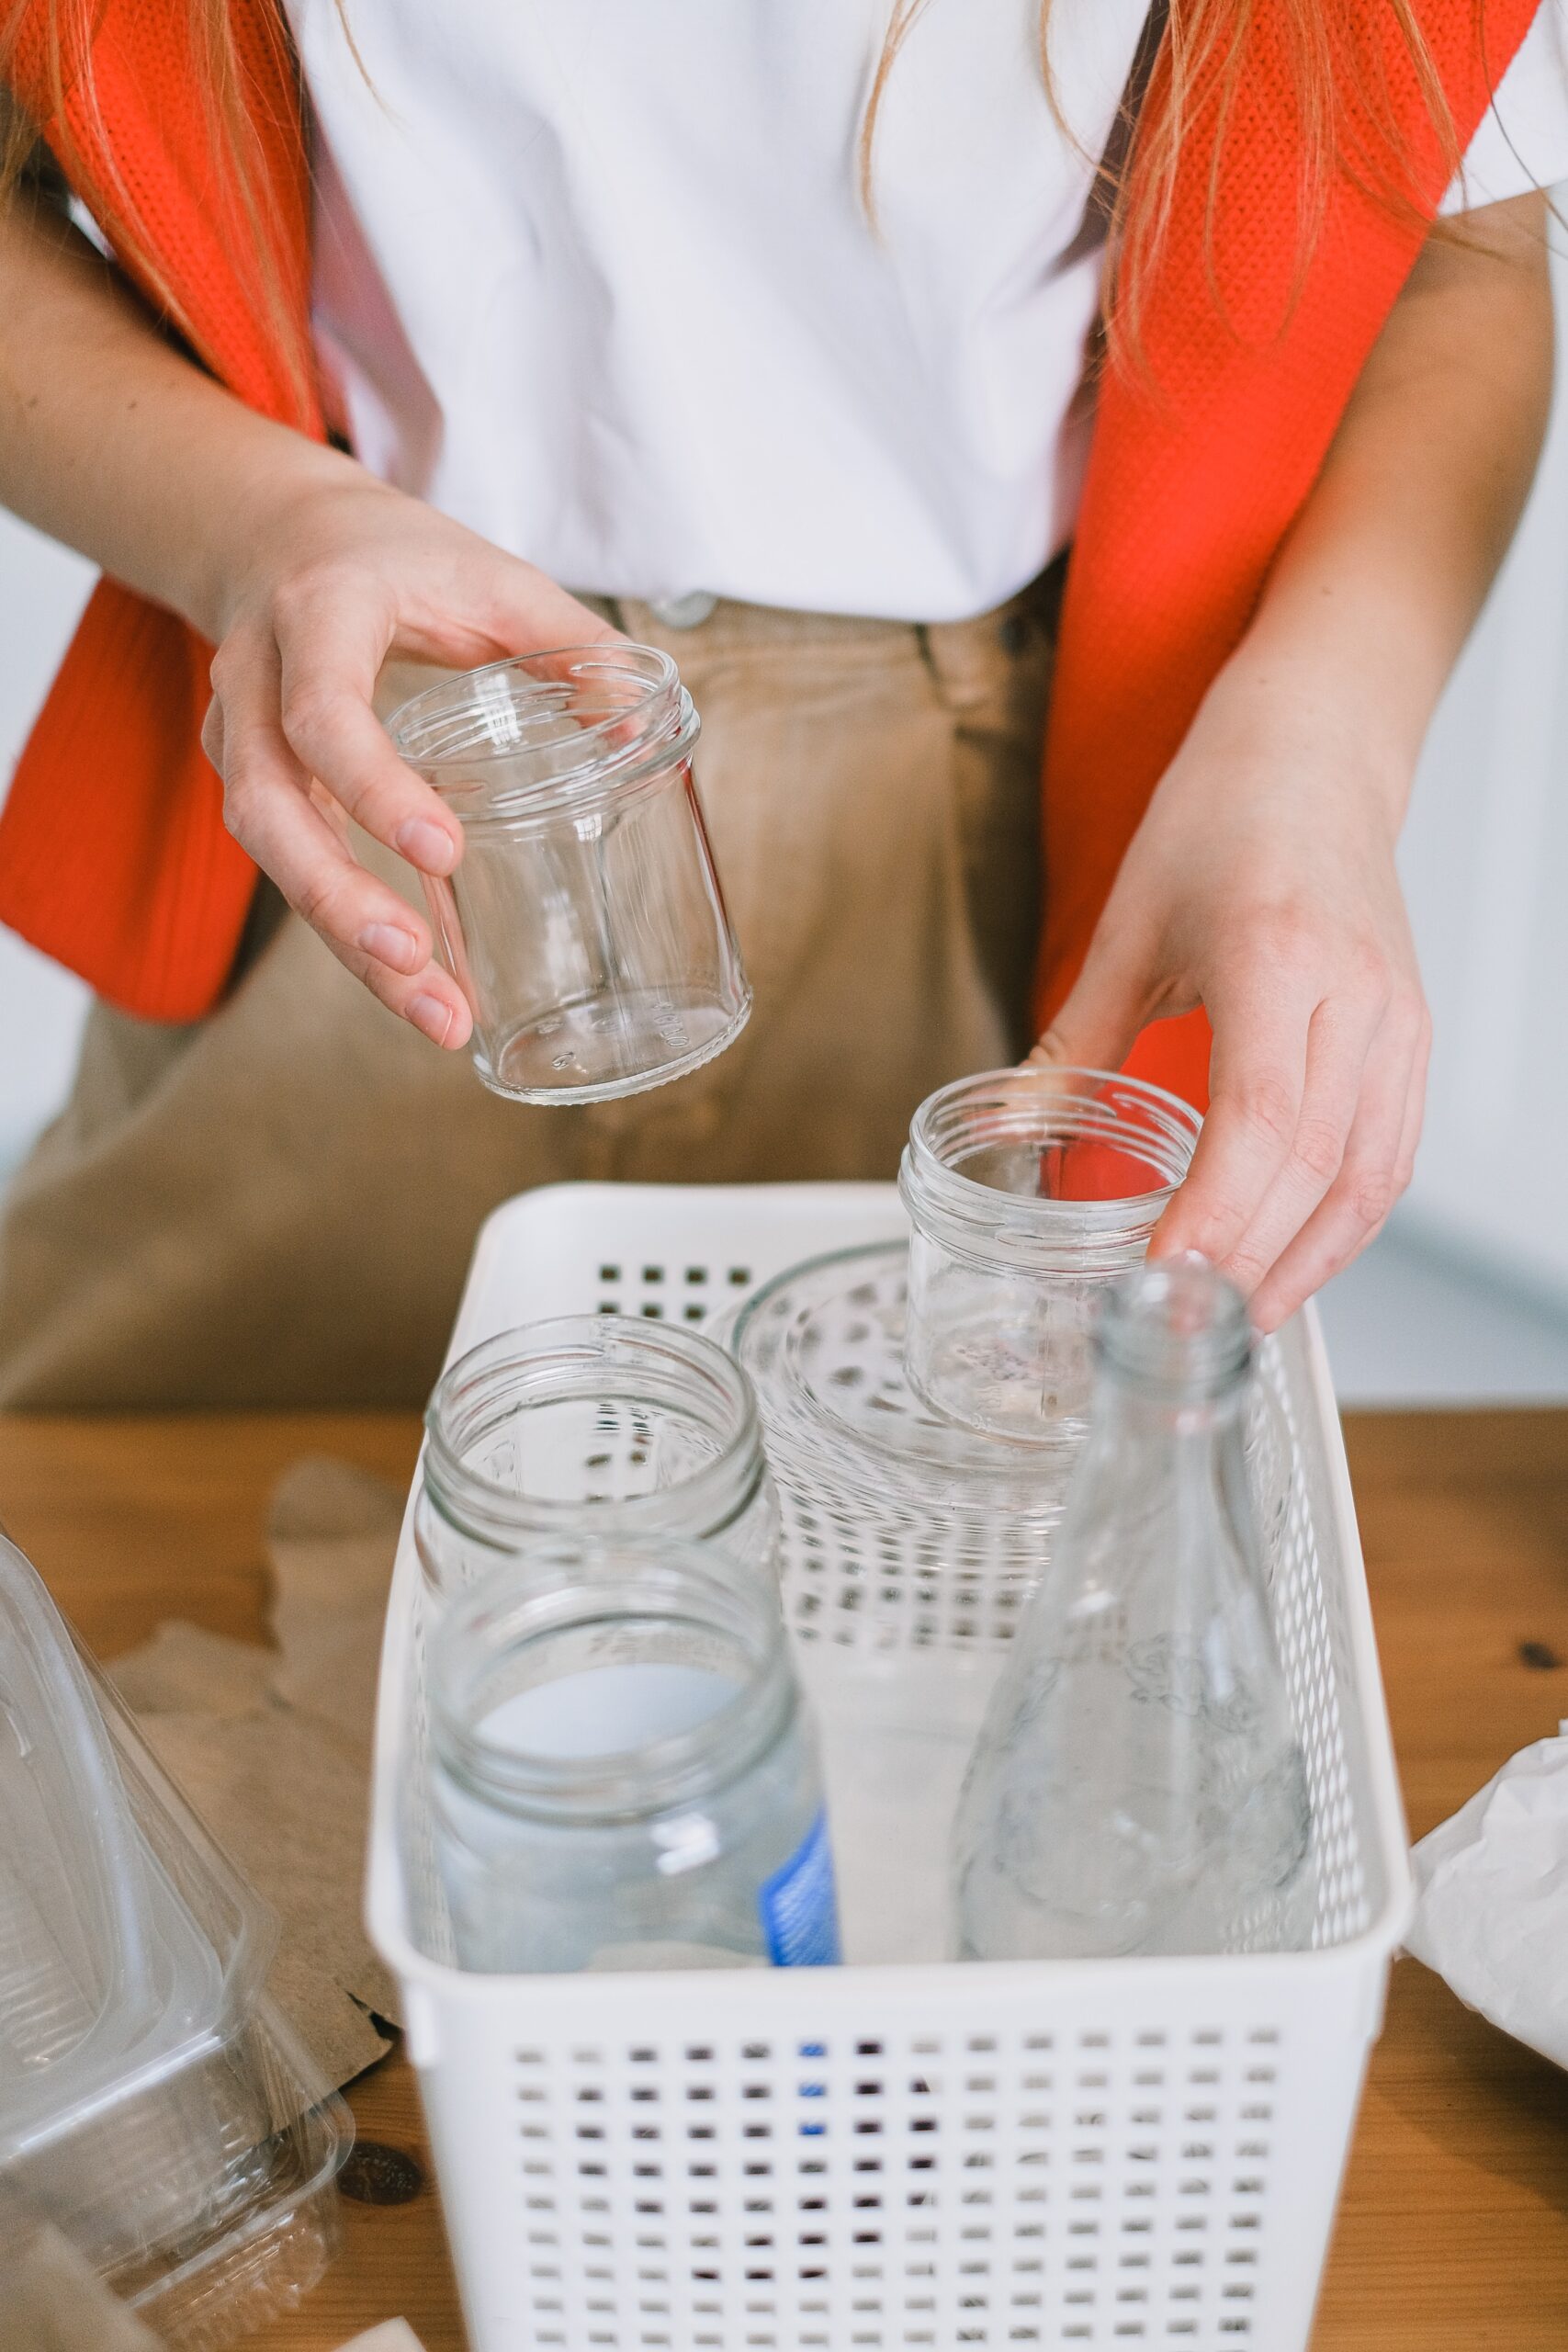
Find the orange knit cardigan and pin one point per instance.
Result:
(113, 854)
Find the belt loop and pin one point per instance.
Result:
(925, 647)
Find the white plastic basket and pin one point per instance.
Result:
(900, 2154)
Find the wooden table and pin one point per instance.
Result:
(1453, 2235)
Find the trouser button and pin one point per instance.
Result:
(683, 612)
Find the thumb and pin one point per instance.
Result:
(533, 611)
(1106, 1007)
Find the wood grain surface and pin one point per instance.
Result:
(1453, 2233)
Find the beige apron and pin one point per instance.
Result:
(275, 1207)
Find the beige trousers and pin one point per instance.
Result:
(275, 1205)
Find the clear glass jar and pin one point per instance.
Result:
(1029, 1191)
(584, 923)
(592, 1428)
(624, 1772)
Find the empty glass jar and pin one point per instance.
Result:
(592, 1428)
(624, 1772)
(1029, 1191)
(584, 922)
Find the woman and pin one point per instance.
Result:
(773, 342)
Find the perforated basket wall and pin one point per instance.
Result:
(898, 2156)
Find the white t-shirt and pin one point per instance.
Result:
(595, 276)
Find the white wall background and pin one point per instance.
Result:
(1486, 863)
(1485, 859)
(42, 589)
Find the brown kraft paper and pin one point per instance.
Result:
(273, 1747)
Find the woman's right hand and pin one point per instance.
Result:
(329, 582)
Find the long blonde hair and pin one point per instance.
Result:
(1338, 83)
(1338, 86)
(254, 229)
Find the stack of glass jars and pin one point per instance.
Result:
(623, 1770)
(923, 1402)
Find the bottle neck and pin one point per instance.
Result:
(1162, 1494)
(1140, 1443)
(1126, 1414)
(1160, 1512)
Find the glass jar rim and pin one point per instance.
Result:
(561, 1587)
(1138, 1118)
(568, 1358)
(449, 730)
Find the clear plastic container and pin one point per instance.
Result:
(1029, 1191)
(625, 1773)
(152, 2108)
(255, 2249)
(585, 923)
(593, 1428)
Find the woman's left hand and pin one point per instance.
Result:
(1261, 885)
(1261, 882)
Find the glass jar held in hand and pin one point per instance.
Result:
(1029, 1191)
(584, 922)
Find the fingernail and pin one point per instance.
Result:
(428, 1013)
(426, 846)
(390, 946)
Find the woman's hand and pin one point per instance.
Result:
(334, 576)
(1261, 885)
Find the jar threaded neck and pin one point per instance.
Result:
(570, 728)
(1052, 1169)
(606, 1604)
(624, 1365)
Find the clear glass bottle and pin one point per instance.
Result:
(1029, 1191)
(585, 924)
(1138, 1785)
(592, 1428)
(625, 1773)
